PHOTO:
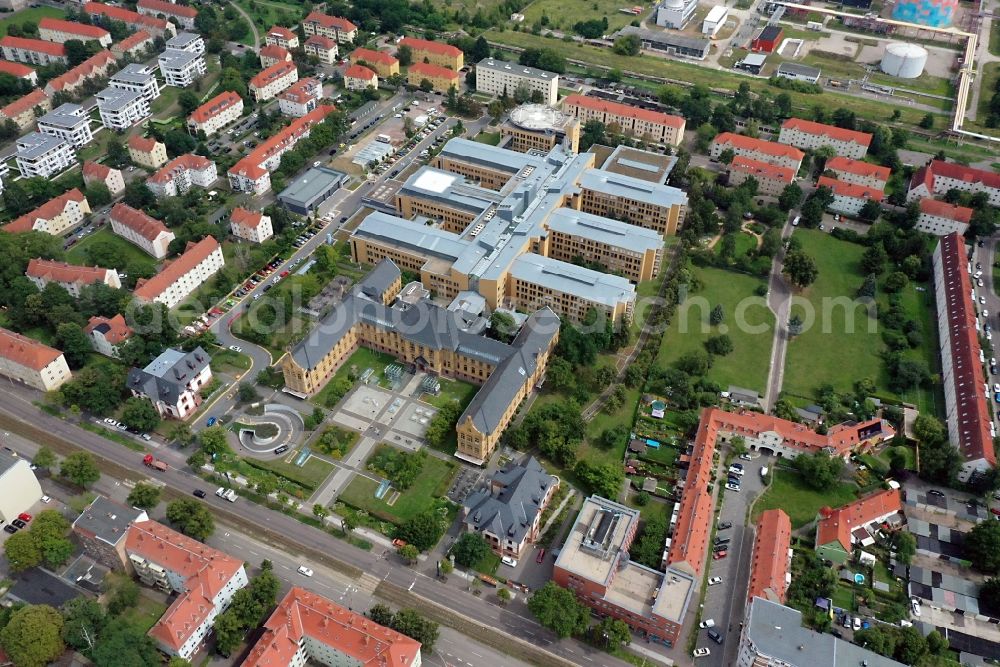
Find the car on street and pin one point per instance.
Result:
(935, 492)
(719, 555)
(211, 421)
(982, 300)
(541, 556)
(281, 450)
(712, 581)
(701, 652)
(715, 636)
(24, 516)
(732, 487)
(198, 493)
(305, 571)
(18, 523)
(235, 348)
(708, 623)
(723, 525)
(10, 529)
(46, 499)
(746, 457)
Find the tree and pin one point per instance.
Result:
(503, 596)
(320, 511)
(719, 345)
(44, 458)
(80, 469)
(32, 637)
(800, 268)
(97, 194)
(982, 547)
(125, 596)
(874, 259)
(426, 85)
(627, 45)
(246, 393)
(74, 343)
(717, 315)
(22, 552)
(905, 545)
(144, 496)
(76, 52)
(140, 414)
(819, 470)
(927, 122)
(613, 436)
(602, 479)
(611, 632)
(191, 518)
(726, 156)
(409, 553)
(557, 609)
(989, 596)
(188, 101)
(502, 326)
(422, 531)
(229, 633)
(410, 623)
(178, 142)
(405, 55)
(790, 197)
(470, 549)
(83, 619)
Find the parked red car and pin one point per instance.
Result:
(719, 555)
(541, 556)
(24, 516)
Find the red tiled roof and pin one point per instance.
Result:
(206, 572)
(15, 69)
(82, 71)
(241, 216)
(853, 190)
(926, 175)
(168, 8)
(138, 221)
(114, 330)
(427, 45)
(971, 396)
(215, 106)
(689, 543)
(46, 211)
(769, 560)
(302, 614)
(836, 525)
(372, 56)
(359, 72)
(282, 32)
(132, 41)
(759, 145)
(274, 51)
(95, 171)
(124, 15)
(61, 272)
(188, 161)
(26, 351)
(193, 255)
(943, 209)
(433, 71)
(72, 27)
(625, 110)
(22, 104)
(337, 22)
(250, 165)
(143, 144)
(321, 41)
(858, 167)
(270, 74)
(28, 44)
(760, 169)
(824, 130)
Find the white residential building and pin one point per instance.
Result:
(94, 172)
(32, 51)
(69, 122)
(941, 218)
(250, 225)
(43, 155)
(496, 77)
(187, 41)
(17, 479)
(137, 78)
(300, 98)
(140, 229)
(359, 77)
(849, 198)
(323, 48)
(173, 381)
(181, 174)
(283, 37)
(181, 68)
(121, 109)
(938, 177)
(182, 15)
(60, 31)
(271, 81)
(54, 216)
(810, 135)
(107, 334)
(184, 275)
(334, 27)
(70, 277)
(36, 365)
(213, 115)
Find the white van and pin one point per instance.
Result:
(763, 473)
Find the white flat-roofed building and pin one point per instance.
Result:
(121, 109)
(187, 41)
(43, 155)
(496, 77)
(69, 122)
(138, 78)
(36, 365)
(181, 68)
(714, 20)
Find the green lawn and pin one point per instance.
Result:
(432, 482)
(744, 244)
(601, 422)
(491, 138)
(988, 76)
(310, 475)
(362, 359)
(748, 364)
(452, 390)
(995, 38)
(789, 492)
(266, 13)
(563, 14)
(125, 251)
(488, 564)
(225, 359)
(32, 15)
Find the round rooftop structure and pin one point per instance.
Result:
(903, 60)
(673, 4)
(537, 117)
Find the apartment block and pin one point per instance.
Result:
(20, 71)
(810, 135)
(102, 530)
(213, 115)
(43, 155)
(120, 109)
(182, 15)
(24, 111)
(183, 275)
(499, 78)
(32, 51)
(98, 65)
(141, 230)
(859, 173)
(323, 48)
(436, 53)
(172, 382)
(336, 28)
(283, 37)
(107, 334)
(771, 179)
(839, 531)
(757, 149)
(644, 124)
(271, 81)
(359, 77)
(300, 98)
(102, 13)
(55, 216)
(69, 122)
(137, 79)
(771, 558)
(441, 79)
(135, 45)
(848, 198)
(273, 54)
(938, 177)
(384, 64)
(181, 68)
(32, 363)
(251, 226)
(632, 200)
(181, 174)
(941, 218)
(59, 31)
(147, 152)
(70, 277)
(633, 252)
(187, 41)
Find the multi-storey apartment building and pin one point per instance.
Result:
(300, 98)
(35, 364)
(250, 225)
(627, 250)
(140, 229)
(102, 530)
(757, 149)
(644, 124)
(849, 198)
(336, 28)
(187, 41)
(134, 45)
(213, 115)
(102, 13)
(98, 65)
(810, 135)
(181, 174)
(283, 37)
(182, 15)
(382, 62)
(70, 277)
(172, 381)
(20, 71)
(271, 81)
(272, 54)
(138, 79)
(108, 334)
(499, 78)
(858, 172)
(184, 275)
(770, 560)
(147, 152)
(535, 281)
(323, 48)
(359, 77)
(43, 155)
(69, 122)
(771, 178)
(941, 218)
(966, 394)
(308, 629)
(181, 68)
(436, 53)
(938, 177)
(112, 179)
(24, 111)
(441, 78)
(54, 216)
(120, 109)
(60, 31)
(203, 579)
(33, 51)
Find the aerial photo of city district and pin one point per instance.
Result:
(496, 333)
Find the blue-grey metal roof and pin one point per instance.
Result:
(508, 507)
(516, 68)
(500, 159)
(604, 230)
(135, 74)
(114, 99)
(67, 116)
(176, 58)
(449, 189)
(407, 234)
(181, 40)
(36, 144)
(572, 279)
(305, 189)
(167, 376)
(379, 280)
(107, 520)
(620, 185)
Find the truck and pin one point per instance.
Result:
(226, 494)
(151, 462)
(383, 138)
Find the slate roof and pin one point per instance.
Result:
(509, 506)
(167, 376)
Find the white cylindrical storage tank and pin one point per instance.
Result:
(904, 60)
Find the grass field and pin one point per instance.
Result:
(491, 138)
(601, 422)
(748, 365)
(32, 15)
(789, 492)
(851, 69)
(744, 244)
(266, 13)
(125, 251)
(990, 74)
(310, 475)
(430, 484)
(563, 14)
(452, 390)
(225, 359)
(995, 38)
(362, 359)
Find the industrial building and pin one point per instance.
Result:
(311, 189)
(670, 43)
(714, 20)
(768, 39)
(675, 14)
(797, 72)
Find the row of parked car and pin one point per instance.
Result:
(17, 524)
(122, 427)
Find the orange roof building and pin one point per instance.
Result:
(32, 51)
(436, 53)
(441, 78)
(810, 135)
(306, 625)
(19, 70)
(272, 80)
(147, 152)
(941, 218)
(849, 198)
(659, 127)
(282, 36)
(272, 54)
(181, 14)
(95, 172)
(771, 557)
(938, 176)
(96, 65)
(250, 225)
(336, 28)
(35, 364)
(70, 276)
(106, 334)
(383, 63)
(203, 578)
(181, 174)
(151, 24)
(858, 172)
(771, 178)
(213, 115)
(359, 77)
(323, 48)
(838, 530)
(184, 275)
(757, 149)
(22, 110)
(140, 229)
(60, 31)
(301, 97)
(132, 44)
(54, 216)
